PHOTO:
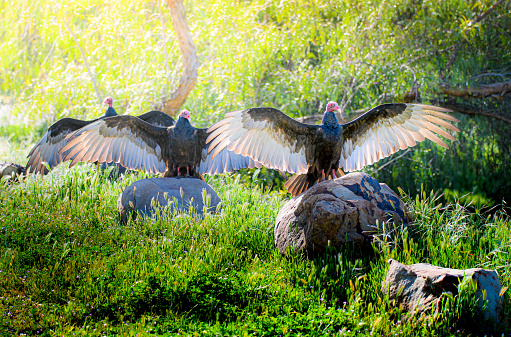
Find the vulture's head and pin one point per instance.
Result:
(329, 116)
(332, 107)
(185, 114)
(108, 101)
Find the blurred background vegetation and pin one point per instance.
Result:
(292, 55)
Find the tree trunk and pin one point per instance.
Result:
(188, 54)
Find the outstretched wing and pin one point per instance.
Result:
(48, 147)
(157, 118)
(267, 136)
(224, 162)
(388, 128)
(126, 140)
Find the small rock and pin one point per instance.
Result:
(11, 170)
(139, 196)
(418, 287)
(338, 211)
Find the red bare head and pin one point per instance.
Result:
(332, 106)
(185, 114)
(108, 101)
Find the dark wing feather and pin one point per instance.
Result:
(157, 118)
(388, 128)
(267, 136)
(48, 147)
(127, 140)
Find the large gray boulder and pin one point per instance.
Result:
(335, 212)
(418, 287)
(147, 196)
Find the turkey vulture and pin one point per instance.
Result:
(47, 149)
(279, 142)
(179, 150)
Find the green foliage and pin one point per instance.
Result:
(68, 266)
(293, 55)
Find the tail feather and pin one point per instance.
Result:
(299, 183)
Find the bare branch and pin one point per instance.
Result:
(489, 74)
(84, 57)
(393, 159)
(189, 56)
(484, 91)
(51, 50)
(485, 14)
(469, 110)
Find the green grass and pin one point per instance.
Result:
(68, 266)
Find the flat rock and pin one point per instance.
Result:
(418, 287)
(335, 212)
(147, 196)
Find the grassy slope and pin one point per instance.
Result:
(68, 266)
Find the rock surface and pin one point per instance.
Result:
(11, 169)
(186, 192)
(418, 287)
(338, 211)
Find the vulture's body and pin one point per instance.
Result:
(318, 152)
(179, 150)
(48, 147)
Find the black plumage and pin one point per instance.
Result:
(179, 150)
(318, 152)
(48, 147)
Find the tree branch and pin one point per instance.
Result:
(485, 14)
(485, 90)
(84, 56)
(470, 110)
(189, 55)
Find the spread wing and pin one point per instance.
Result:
(48, 147)
(224, 162)
(126, 140)
(267, 136)
(157, 118)
(388, 128)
